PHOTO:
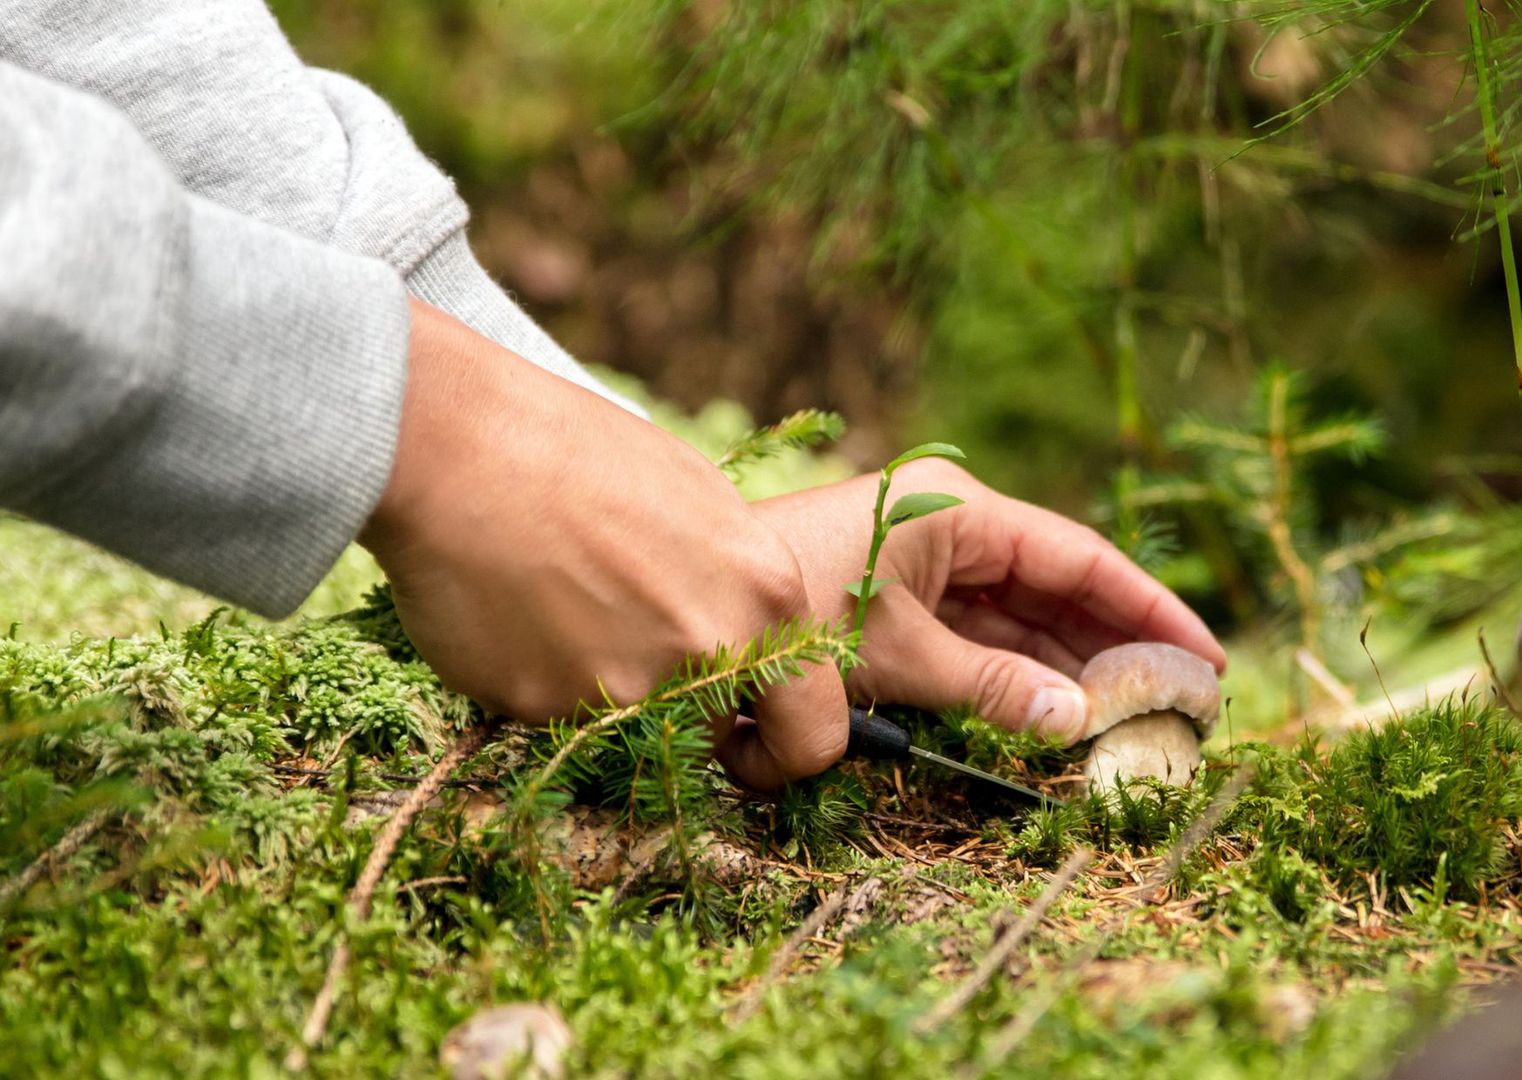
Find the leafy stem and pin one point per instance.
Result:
(908, 508)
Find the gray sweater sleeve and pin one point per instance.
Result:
(217, 89)
(209, 395)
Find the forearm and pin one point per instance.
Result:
(208, 395)
(218, 91)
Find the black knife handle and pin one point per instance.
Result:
(875, 738)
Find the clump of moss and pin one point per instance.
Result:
(820, 814)
(1400, 801)
(1050, 832)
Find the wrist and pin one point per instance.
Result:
(449, 383)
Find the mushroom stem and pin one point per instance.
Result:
(1160, 744)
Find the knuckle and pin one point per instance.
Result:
(776, 582)
(1087, 586)
(1097, 540)
(621, 687)
(998, 689)
(818, 750)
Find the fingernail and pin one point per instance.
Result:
(1058, 713)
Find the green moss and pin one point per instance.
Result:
(1436, 790)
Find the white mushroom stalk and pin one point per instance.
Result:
(1150, 707)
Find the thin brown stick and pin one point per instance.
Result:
(817, 920)
(375, 867)
(430, 882)
(67, 845)
(1495, 675)
(1311, 664)
(994, 961)
(1276, 511)
(1014, 1033)
(472, 783)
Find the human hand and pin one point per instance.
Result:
(998, 603)
(541, 541)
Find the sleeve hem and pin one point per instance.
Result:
(269, 439)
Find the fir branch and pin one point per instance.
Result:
(1485, 78)
(803, 430)
(702, 688)
(1333, 12)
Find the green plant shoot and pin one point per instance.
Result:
(918, 505)
(803, 430)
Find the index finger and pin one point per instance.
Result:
(1064, 559)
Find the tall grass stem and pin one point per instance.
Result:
(1485, 91)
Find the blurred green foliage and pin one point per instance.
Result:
(1056, 195)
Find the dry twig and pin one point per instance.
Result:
(817, 920)
(1150, 889)
(364, 889)
(957, 1000)
(67, 845)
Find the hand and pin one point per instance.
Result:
(541, 542)
(998, 603)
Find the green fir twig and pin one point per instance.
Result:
(702, 689)
(803, 430)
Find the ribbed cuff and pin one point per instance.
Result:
(270, 440)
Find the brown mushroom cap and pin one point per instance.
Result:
(1144, 677)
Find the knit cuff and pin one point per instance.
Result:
(270, 439)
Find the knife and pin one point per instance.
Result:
(876, 738)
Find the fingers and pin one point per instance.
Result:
(917, 660)
(801, 729)
(1070, 624)
(1048, 553)
(980, 621)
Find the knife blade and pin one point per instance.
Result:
(878, 739)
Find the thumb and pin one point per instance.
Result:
(801, 728)
(918, 661)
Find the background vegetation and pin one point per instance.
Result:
(1167, 265)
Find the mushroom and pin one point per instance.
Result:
(522, 1040)
(1150, 705)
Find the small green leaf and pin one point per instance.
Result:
(918, 505)
(854, 587)
(929, 449)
